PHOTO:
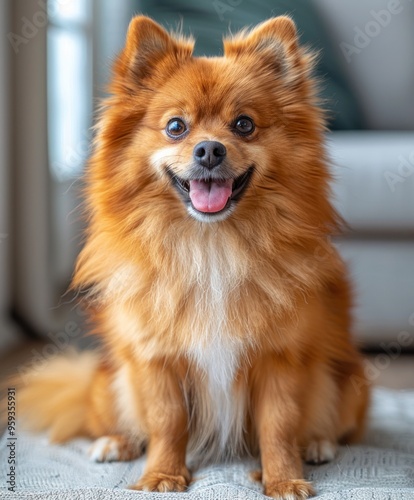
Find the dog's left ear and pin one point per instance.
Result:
(274, 45)
(275, 38)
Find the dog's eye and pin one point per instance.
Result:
(243, 125)
(176, 128)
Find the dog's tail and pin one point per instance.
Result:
(58, 396)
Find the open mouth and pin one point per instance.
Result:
(211, 196)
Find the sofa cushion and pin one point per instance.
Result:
(382, 275)
(374, 179)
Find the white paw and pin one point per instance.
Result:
(319, 452)
(111, 449)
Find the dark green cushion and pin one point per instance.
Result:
(209, 20)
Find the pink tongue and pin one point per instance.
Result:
(210, 196)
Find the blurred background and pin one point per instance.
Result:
(55, 60)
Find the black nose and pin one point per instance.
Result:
(209, 154)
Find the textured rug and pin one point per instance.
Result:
(381, 468)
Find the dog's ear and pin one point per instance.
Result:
(275, 34)
(150, 48)
(274, 46)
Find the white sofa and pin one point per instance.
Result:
(374, 168)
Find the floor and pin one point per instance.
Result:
(392, 373)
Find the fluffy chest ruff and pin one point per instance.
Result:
(204, 323)
(208, 334)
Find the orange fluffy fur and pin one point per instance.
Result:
(220, 338)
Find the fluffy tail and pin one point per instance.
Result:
(58, 396)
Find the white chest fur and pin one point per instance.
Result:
(218, 412)
(219, 406)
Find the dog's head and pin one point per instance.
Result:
(216, 138)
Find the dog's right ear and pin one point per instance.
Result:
(150, 49)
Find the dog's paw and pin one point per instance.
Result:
(294, 489)
(320, 452)
(157, 481)
(113, 448)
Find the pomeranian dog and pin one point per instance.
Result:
(222, 306)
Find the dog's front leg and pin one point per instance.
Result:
(275, 392)
(165, 417)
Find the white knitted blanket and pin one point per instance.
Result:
(381, 468)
